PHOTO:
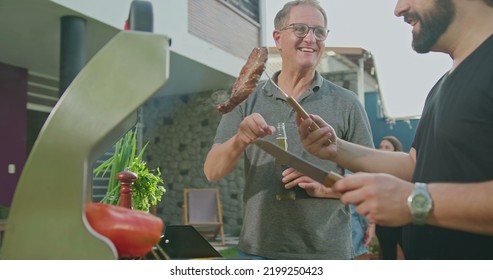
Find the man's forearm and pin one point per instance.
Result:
(466, 207)
(359, 158)
(222, 158)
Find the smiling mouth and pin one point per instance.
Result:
(306, 50)
(411, 20)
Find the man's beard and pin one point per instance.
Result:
(433, 25)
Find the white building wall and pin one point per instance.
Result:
(170, 19)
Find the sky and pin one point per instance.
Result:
(405, 77)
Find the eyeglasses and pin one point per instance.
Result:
(300, 30)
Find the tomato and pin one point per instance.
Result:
(133, 232)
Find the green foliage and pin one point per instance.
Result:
(374, 247)
(229, 253)
(147, 189)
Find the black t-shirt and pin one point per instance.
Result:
(454, 143)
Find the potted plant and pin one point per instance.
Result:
(147, 190)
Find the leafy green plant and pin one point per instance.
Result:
(374, 247)
(230, 253)
(147, 189)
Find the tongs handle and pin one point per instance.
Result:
(296, 106)
(303, 114)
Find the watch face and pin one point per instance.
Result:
(420, 203)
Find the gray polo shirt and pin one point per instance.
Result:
(274, 224)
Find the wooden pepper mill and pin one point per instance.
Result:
(126, 179)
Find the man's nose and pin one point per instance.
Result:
(400, 7)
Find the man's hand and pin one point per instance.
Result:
(381, 198)
(292, 178)
(321, 142)
(253, 127)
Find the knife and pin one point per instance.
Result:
(327, 178)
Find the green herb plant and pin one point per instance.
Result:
(147, 190)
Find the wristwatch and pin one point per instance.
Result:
(420, 203)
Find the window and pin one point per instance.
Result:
(249, 8)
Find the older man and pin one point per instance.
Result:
(280, 223)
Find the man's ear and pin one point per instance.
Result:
(276, 35)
